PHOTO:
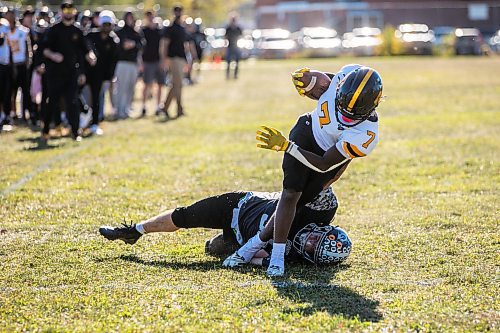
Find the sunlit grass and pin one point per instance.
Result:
(422, 211)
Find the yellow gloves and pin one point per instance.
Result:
(296, 79)
(271, 138)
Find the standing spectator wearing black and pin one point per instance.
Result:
(5, 76)
(39, 36)
(200, 41)
(67, 51)
(27, 21)
(127, 68)
(152, 71)
(19, 42)
(233, 33)
(176, 42)
(104, 43)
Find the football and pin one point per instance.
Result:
(315, 83)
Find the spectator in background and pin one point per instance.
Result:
(20, 54)
(85, 21)
(40, 106)
(152, 70)
(67, 51)
(27, 21)
(104, 43)
(95, 19)
(200, 41)
(176, 43)
(233, 33)
(127, 68)
(5, 74)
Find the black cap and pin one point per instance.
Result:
(67, 4)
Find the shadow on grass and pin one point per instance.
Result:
(198, 266)
(311, 289)
(43, 146)
(40, 145)
(314, 292)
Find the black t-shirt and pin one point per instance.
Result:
(106, 50)
(70, 42)
(233, 33)
(177, 36)
(257, 207)
(151, 51)
(129, 33)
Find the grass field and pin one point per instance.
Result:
(422, 211)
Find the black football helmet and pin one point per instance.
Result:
(322, 244)
(358, 94)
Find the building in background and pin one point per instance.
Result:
(345, 15)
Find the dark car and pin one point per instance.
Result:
(415, 38)
(468, 41)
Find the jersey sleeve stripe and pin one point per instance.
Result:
(344, 145)
(359, 89)
(352, 150)
(356, 150)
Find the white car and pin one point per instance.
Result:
(318, 42)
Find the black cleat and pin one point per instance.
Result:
(127, 233)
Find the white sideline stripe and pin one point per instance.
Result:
(41, 168)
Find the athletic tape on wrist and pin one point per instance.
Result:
(293, 150)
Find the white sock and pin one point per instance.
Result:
(140, 227)
(251, 247)
(278, 255)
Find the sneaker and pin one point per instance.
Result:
(95, 129)
(159, 111)
(275, 271)
(126, 233)
(234, 260)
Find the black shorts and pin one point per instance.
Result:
(297, 176)
(214, 212)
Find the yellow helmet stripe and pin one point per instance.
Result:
(360, 88)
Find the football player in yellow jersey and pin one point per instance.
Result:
(322, 143)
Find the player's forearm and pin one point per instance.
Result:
(315, 162)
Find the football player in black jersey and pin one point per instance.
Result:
(241, 215)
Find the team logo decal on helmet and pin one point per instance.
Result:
(358, 94)
(322, 244)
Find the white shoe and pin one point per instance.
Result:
(96, 130)
(275, 271)
(234, 260)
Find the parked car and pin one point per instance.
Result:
(274, 43)
(468, 41)
(317, 42)
(415, 38)
(362, 41)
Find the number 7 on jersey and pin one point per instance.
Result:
(325, 118)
